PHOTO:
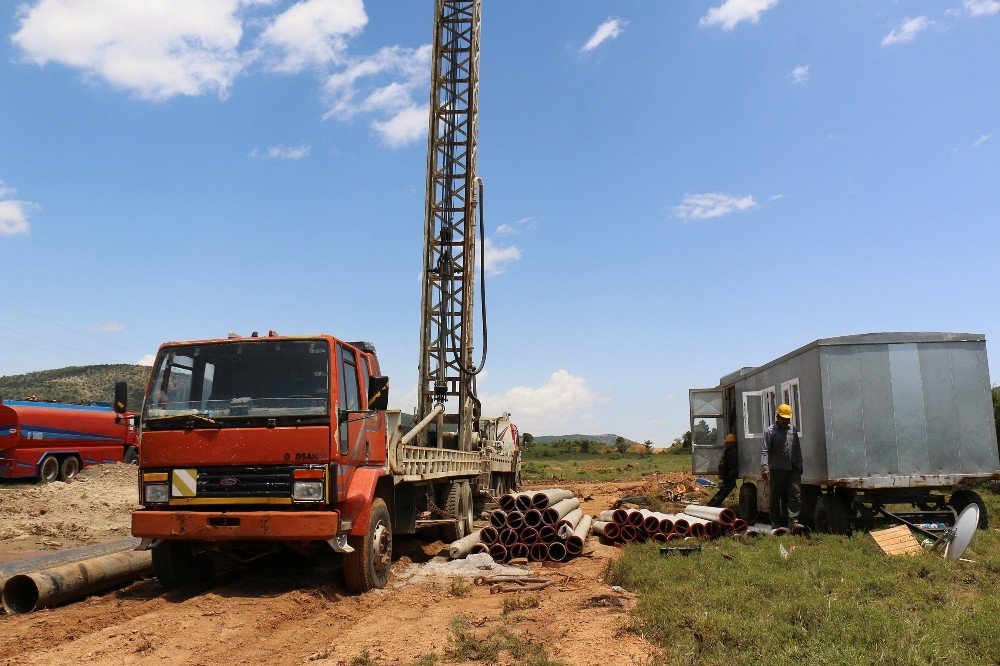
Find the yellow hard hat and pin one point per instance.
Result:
(785, 411)
(730, 438)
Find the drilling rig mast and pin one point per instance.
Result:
(447, 372)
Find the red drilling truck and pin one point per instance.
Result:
(53, 440)
(255, 443)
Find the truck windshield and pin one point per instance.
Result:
(239, 380)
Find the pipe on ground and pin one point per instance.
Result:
(682, 526)
(607, 516)
(543, 499)
(65, 556)
(508, 502)
(498, 552)
(523, 501)
(489, 535)
(740, 526)
(480, 548)
(620, 517)
(518, 550)
(463, 546)
(630, 533)
(577, 540)
(537, 552)
(635, 518)
(528, 535)
(515, 520)
(27, 592)
(567, 525)
(547, 534)
(558, 511)
(498, 519)
(557, 551)
(533, 518)
(598, 527)
(612, 531)
(508, 537)
(717, 514)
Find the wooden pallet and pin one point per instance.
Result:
(897, 540)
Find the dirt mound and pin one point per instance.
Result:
(95, 506)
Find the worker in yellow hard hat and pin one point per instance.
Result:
(781, 464)
(729, 471)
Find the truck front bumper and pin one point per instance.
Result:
(236, 525)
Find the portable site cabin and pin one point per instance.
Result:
(875, 413)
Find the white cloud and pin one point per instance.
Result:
(562, 398)
(404, 127)
(146, 360)
(497, 258)
(516, 227)
(712, 204)
(313, 33)
(670, 397)
(14, 217)
(610, 29)
(384, 85)
(733, 12)
(281, 152)
(981, 7)
(907, 30)
(800, 74)
(6, 190)
(981, 140)
(109, 327)
(155, 48)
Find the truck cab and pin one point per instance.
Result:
(258, 439)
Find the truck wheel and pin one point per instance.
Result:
(131, 456)
(963, 498)
(368, 566)
(175, 565)
(458, 505)
(69, 468)
(832, 515)
(748, 502)
(48, 469)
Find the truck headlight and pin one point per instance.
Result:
(156, 493)
(308, 491)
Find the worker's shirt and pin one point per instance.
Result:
(729, 464)
(781, 449)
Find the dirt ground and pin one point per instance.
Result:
(298, 613)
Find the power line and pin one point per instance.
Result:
(50, 351)
(57, 344)
(68, 328)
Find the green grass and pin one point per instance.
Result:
(489, 647)
(834, 600)
(554, 461)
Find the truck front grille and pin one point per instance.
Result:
(272, 481)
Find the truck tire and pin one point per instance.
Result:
(832, 515)
(963, 497)
(458, 505)
(131, 456)
(48, 469)
(69, 468)
(368, 566)
(175, 565)
(748, 502)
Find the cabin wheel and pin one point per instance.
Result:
(48, 469)
(69, 468)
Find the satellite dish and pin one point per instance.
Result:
(965, 528)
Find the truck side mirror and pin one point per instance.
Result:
(121, 397)
(378, 393)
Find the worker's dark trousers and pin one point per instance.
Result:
(720, 497)
(786, 493)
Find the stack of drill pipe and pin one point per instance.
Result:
(637, 525)
(545, 525)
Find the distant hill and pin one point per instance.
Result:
(81, 383)
(603, 439)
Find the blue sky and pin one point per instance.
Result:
(674, 190)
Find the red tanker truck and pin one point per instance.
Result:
(53, 440)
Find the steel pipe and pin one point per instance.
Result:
(498, 519)
(528, 535)
(717, 514)
(538, 552)
(533, 518)
(508, 502)
(682, 526)
(463, 546)
(630, 533)
(740, 526)
(65, 556)
(577, 540)
(515, 520)
(598, 527)
(667, 524)
(606, 516)
(426, 421)
(518, 550)
(558, 511)
(480, 548)
(489, 535)
(612, 531)
(547, 534)
(567, 525)
(498, 552)
(620, 517)
(556, 551)
(636, 518)
(26, 592)
(508, 537)
(523, 501)
(697, 530)
(543, 499)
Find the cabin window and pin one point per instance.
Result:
(770, 400)
(753, 414)
(790, 396)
